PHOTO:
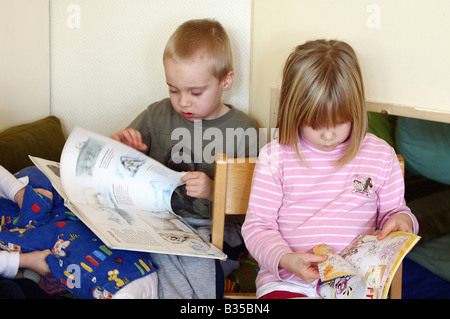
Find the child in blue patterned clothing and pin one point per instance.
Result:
(39, 233)
(10, 262)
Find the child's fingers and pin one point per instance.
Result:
(198, 185)
(187, 176)
(389, 227)
(400, 222)
(191, 176)
(319, 258)
(130, 137)
(133, 138)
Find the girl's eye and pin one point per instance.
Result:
(341, 123)
(196, 93)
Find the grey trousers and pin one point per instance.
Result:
(183, 277)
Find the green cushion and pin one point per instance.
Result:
(243, 278)
(383, 126)
(43, 138)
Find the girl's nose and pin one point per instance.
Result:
(328, 135)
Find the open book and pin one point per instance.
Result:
(123, 196)
(363, 270)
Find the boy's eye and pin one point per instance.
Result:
(196, 93)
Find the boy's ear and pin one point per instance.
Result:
(228, 81)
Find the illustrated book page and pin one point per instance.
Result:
(123, 196)
(365, 268)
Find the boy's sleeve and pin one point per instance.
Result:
(9, 263)
(248, 144)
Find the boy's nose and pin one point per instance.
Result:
(184, 100)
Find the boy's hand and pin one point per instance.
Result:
(303, 265)
(35, 261)
(199, 185)
(399, 222)
(130, 137)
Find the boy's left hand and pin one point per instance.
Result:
(399, 222)
(199, 185)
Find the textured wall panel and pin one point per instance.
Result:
(106, 55)
(24, 61)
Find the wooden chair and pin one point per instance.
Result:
(395, 292)
(232, 184)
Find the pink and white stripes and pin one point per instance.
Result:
(296, 205)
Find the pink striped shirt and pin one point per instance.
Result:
(294, 207)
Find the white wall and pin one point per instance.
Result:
(24, 61)
(106, 55)
(106, 62)
(403, 47)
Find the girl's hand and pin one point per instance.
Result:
(130, 137)
(399, 222)
(199, 185)
(303, 265)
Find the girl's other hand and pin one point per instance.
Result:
(303, 265)
(399, 222)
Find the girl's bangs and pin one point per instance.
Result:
(329, 114)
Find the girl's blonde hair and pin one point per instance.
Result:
(202, 36)
(322, 86)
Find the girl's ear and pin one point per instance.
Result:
(228, 81)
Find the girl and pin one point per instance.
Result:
(325, 179)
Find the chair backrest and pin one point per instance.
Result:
(232, 184)
(402, 163)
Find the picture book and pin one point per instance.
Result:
(123, 196)
(365, 268)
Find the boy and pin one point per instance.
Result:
(185, 132)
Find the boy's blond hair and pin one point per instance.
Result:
(322, 86)
(202, 36)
